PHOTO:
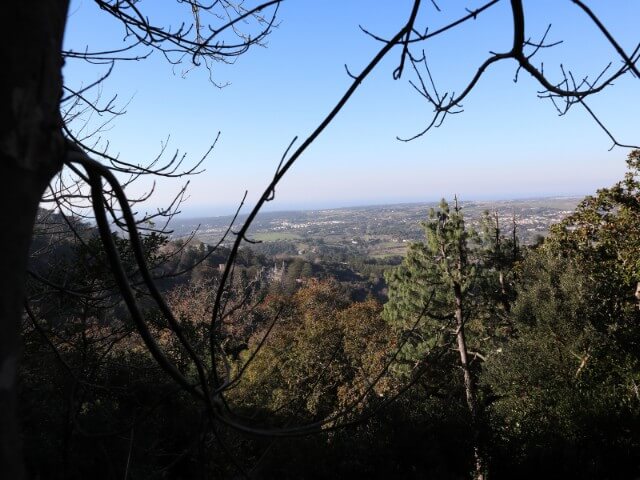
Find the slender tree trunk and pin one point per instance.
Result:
(504, 296)
(469, 387)
(31, 151)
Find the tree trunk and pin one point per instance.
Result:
(469, 387)
(504, 297)
(31, 152)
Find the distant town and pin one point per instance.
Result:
(383, 230)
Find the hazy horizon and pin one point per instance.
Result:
(190, 214)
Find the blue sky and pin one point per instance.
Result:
(506, 144)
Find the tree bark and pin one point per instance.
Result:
(469, 386)
(31, 152)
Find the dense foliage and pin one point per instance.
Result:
(544, 383)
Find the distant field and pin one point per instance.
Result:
(275, 236)
(389, 249)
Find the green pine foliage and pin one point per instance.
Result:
(421, 301)
(566, 385)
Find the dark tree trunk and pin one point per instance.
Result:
(469, 386)
(31, 152)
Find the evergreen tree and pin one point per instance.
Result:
(604, 232)
(438, 296)
(500, 254)
(567, 384)
(566, 392)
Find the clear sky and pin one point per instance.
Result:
(506, 144)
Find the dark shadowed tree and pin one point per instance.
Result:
(36, 111)
(566, 384)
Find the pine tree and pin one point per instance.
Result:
(434, 294)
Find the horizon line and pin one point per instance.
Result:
(183, 217)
